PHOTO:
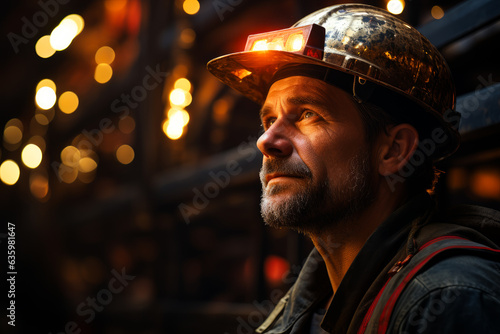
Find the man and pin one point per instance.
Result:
(356, 108)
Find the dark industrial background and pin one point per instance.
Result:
(178, 220)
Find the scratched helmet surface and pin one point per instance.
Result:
(364, 41)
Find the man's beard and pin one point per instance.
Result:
(317, 207)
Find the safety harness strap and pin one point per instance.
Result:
(381, 317)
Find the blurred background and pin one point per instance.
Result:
(131, 174)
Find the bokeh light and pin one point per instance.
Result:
(178, 116)
(32, 156)
(437, 12)
(46, 83)
(87, 165)
(396, 7)
(43, 48)
(187, 37)
(78, 20)
(41, 119)
(105, 55)
(62, 35)
(13, 131)
(275, 267)
(45, 97)
(172, 130)
(183, 84)
(126, 124)
(67, 174)
(103, 73)
(177, 97)
(9, 172)
(39, 185)
(191, 7)
(70, 156)
(68, 102)
(125, 154)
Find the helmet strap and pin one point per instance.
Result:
(362, 90)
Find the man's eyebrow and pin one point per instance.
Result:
(301, 100)
(264, 111)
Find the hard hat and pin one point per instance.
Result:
(364, 43)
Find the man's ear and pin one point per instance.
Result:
(397, 148)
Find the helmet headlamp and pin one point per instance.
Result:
(306, 40)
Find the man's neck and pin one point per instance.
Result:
(342, 243)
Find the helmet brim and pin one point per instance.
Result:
(251, 73)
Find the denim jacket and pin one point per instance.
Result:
(457, 294)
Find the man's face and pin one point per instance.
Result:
(316, 169)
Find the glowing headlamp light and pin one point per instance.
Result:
(307, 40)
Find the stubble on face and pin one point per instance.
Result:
(318, 206)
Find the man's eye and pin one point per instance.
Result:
(266, 124)
(308, 114)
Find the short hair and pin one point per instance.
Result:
(376, 121)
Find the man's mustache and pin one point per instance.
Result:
(285, 166)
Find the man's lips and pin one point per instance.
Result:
(272, 176)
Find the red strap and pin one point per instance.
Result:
(368, 314)
(388, 308)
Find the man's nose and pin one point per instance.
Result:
(275, 141)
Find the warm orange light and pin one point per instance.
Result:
(187, 37)
(103, 73)
(67, 174)
(437, 12)
(486, 183)
(32, 156)
(68, 102)
(39, 185)
(70, 156)
(9, 172)
(173, 130)
(260, 45)
(86, 165)
(125, 154)
(191, 7)
(41, 119)
(183, 83)
(396, 7)
(295, 42)
(277, 44)
(126, 124)
(46, 83)
(62, 35)
(45, 97)
(105, 55)
(308, 40)
(43, 48)
(12, 134)
(115, 5)
(78, 20)
(180, 97)
(275, 267)
(179, 117)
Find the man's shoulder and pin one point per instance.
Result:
(450, 292)
(457, 272)
(462, 269)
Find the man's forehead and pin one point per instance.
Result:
(299, 86)
(303, 90)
